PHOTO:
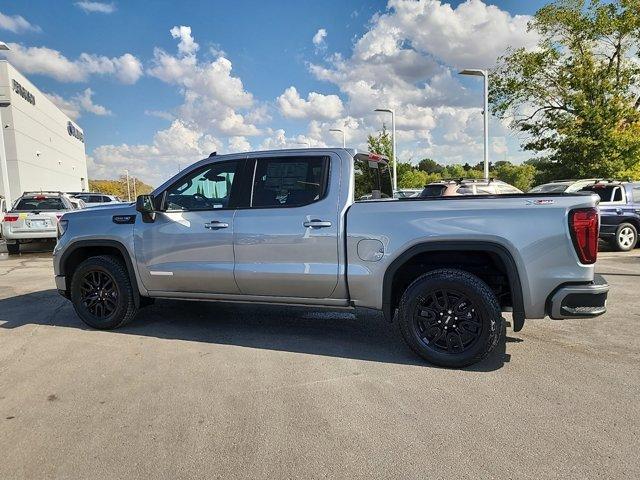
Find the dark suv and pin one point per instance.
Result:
(620, 212)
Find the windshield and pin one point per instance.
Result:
(40, 203)
(550, 188)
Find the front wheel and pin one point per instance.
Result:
(102, 294)
(450, 318)
(626, 237)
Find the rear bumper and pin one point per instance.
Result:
(41, 235)
(579, 300)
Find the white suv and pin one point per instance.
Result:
(96, 199)
(34, 216)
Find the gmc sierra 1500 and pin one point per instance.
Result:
(284, 227)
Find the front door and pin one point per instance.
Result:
(189, 246)
(286, 242)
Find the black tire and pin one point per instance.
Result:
(13, 248)
(425, 316)
(104, 281)
(626, 238)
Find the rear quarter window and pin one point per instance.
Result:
(372, 178)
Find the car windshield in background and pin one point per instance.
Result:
(433, 191)
(38, 204)
(550, 188)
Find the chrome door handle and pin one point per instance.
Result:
(315, 223)
(215, 225)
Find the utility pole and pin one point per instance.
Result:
(128, 189)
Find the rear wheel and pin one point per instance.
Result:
(102, 294)
(450, 318)
(626, 237)
(13, 248)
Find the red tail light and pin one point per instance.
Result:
(584, 226)
(10, 218)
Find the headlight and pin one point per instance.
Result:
(62, 227)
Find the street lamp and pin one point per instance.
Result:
(3, 153)
(344, 137)
(393, 143)
(485, 75)
(128, 190)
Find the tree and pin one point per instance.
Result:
(119, 187)
(430, 166)
(575, 96)
(520, 176)
(381, 144)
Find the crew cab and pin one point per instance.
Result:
(283, 227)
(619, 212)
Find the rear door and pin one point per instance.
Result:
(286, 241)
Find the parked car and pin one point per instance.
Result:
(559, 186)
(619, 212)
(3, 209)
(77, 203)
(282, 227)
(468, 186)
(34, 216)
(96, 199)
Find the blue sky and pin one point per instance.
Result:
(157, 88)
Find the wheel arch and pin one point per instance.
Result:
(79, 251)
(492, 248)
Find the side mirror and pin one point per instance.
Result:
(145, 205)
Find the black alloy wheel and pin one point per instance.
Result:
(446, 321)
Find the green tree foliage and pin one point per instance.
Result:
(381, 144)
(575, 97)
(520, 176)
(430, 166)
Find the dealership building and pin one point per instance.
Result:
(41, 148)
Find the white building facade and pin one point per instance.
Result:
(43, 147)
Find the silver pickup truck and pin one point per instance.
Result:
(283, 227)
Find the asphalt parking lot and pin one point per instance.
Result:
(203, 390)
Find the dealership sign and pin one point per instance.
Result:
(23, 92)
(75, 131)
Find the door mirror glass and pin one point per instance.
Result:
(144, 204)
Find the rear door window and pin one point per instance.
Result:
(289, 182)
(39, 204)
(607, 193)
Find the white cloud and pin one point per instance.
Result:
(46, 61)
(238, 144)
(320, 39)
(17, 24)
(80, 102)
(214, 99)
(316, 106)
(173, 148)
(187, 45)
(96, 7)
(407, 61)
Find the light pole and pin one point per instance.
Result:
(3, 153)
(485, 75)
(344, 136)
(128, 190)
(135, 195)
(393, 144)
